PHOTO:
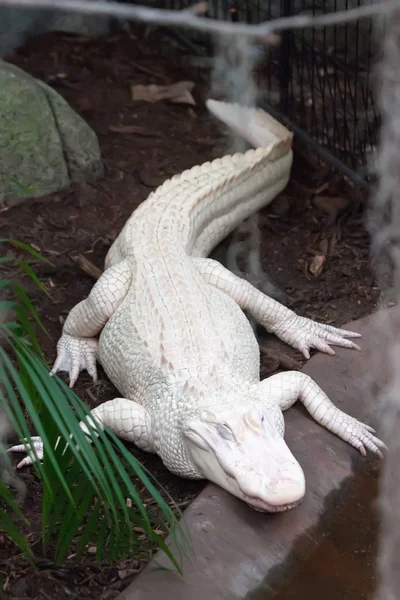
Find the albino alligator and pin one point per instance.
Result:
(175, 341)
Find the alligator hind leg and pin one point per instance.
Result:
(77, 347)
(129, 421)
(299, 332)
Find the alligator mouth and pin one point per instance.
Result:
(260, 506)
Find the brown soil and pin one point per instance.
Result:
(94, 76)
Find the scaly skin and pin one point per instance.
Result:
(175, 342)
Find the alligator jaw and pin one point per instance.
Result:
(259, 506)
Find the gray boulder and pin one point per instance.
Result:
(44, 144)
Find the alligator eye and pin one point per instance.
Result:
(226, 432)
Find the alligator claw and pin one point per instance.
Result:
(303, 334)
(74, 355)
(30, 457)
(361, 437)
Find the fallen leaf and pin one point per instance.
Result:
(124, 573)
(287, 362)
(322, 188)
(151, 180)
(154, 74)
(323, 246)
(335, 237)
(269, 362)
(178, 93)
(317, 264)
(284, 361)
(281, 206)
(333, 206)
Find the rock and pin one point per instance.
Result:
(44, 144)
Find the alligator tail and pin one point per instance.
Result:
(253, 124)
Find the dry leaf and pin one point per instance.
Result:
(281, 206)
(333, 206)
(335, 237)
(269, 363)
(322, 188)
(284, 361)
(178, 93)
(317, 264)
(192, 113)
(287, 362)
(323, 246)
(124, 573)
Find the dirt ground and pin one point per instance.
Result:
(314, 245)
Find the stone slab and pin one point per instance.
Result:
(239, 553)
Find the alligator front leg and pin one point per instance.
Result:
(77, 347)
(286, 388)
(127, 419)
(299, 332)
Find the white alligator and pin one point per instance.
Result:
(177, 345)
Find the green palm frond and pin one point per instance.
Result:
(89, 494)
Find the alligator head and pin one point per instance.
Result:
(241, 449)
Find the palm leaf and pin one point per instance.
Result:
(86, 478)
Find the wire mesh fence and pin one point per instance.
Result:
(320, 79)
(328, 91)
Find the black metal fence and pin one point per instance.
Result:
(319, 79)
(328, 91)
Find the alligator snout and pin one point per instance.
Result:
(275, 496)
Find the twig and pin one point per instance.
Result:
(138, 67)
(87, 266)
(189, 18)
(45, 594)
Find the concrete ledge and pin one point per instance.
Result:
(239, 553)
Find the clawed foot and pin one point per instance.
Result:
(30, 457)
(358, 435)
(74, 355)
(303, 334)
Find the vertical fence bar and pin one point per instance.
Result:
(285, 71)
